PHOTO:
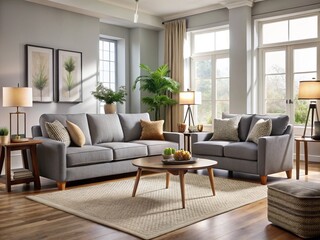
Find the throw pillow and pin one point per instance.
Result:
(260, 129)
(226, 129)
(57, 131)
(152, 130)
(76, 134)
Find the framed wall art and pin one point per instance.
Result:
(69, 76)
(39, 66)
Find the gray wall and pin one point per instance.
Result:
(23, 23)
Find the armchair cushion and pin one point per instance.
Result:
(213, 148)
(131, 125)
(242, 150)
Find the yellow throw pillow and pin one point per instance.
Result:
(76, 134)
(152, 130)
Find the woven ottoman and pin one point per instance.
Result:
(295, 206)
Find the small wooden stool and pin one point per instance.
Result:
(295, 206)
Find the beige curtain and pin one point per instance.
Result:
(175, 32)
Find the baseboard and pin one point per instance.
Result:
(312, 158)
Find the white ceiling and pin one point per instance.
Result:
(151, 12)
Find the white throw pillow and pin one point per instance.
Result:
(260, 129)
(226, 129)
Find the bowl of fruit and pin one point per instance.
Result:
(168, 153)
(182, 155)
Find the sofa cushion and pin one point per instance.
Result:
(79, 119)
(212, 148)
(88, 155)
(242, 150)
(244, 124)
(226, 129)
(152, 130)
(262, 128)
(57, 131)
(279, 123)
(126, 150)
(156, 147)
(105, 128)
(131, 126)
(76, 134)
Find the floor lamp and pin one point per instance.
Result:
(310, 90)
(189, 98)
(17, 97)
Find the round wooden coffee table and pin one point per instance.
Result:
(155, 164)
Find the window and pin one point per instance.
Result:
(107, 65)
(210, 73)
(285, 61)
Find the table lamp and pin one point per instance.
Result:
(189, 98)
(310, 90)
(17, 97)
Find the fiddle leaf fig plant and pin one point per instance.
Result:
(159, 84)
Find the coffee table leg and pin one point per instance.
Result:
(167, 179)
(211, 177)
(181, 175)
(136, 182)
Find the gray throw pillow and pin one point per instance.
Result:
(260, 129)
(226, 129)
(57, 131)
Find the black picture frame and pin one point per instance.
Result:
(69, 76)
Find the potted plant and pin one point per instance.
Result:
(159, 85)
(110, 97)
(4, 135)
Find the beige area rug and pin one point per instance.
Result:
(155, 210)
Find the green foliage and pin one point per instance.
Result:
(69, 66)
(40, 79)
(4, 131)
(159, 85)
(109, 96)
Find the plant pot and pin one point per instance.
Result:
(4, 140)
(182, 127)
(110, 108)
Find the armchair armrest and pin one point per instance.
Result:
(200, 136)
(275, 154)
(174, 137)
(51, 156)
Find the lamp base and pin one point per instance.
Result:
(19, 140)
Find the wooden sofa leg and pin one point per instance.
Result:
(61, 185)
(289, 173)
(263, 180)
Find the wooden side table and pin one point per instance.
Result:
(5, 155)
(305, 141)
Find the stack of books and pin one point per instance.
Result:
(20, 173)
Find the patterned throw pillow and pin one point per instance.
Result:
(226, 129)
(76, 134)
(57, 131)
(152, 130)
(260, 129)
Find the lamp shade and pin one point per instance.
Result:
(189, 98)
(309, 90)
(16, 97)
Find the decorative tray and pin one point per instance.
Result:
(171, 161)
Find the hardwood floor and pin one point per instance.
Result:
(21, 218)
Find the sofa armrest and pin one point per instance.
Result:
(52, 161)
(200, 136)
(175, 137)
(275, 154)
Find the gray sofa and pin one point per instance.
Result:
(111, 141)
(272, 154)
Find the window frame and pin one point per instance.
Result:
(105, 83)
(288, 47)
